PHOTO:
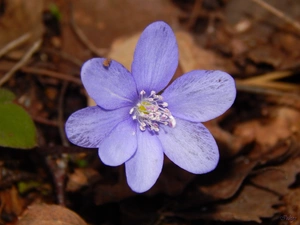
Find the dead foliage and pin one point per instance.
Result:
(257, 179)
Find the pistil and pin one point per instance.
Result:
(151, 112)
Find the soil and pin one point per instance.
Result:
(257, 179)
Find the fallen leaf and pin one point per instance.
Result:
(20, 18)
(43, 214)
(220, 184)
(266, 132)
(278, 178)
(194, 57)
(80, 177)
(172, 181)
(266, 55)
(291, 213)
(251, 204)
(11, 202)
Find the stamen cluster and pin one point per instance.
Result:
(152, 111)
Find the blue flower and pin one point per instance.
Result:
(134, 124)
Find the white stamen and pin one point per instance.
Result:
(152, 112)
(131, 111)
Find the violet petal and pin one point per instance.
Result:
(190, 146)
(155, 58)
(120, 144)
(111, 86)
(143, 169)
(89, 126)
(200, 95)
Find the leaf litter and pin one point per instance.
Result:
(257, 178)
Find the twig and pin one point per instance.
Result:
(268, 84)
(22, 62)
(264, 90)
(64, 55)
(53, 74)
(54, 150)
(278, 13)
(97, 51)
(14, 44)
(42, 120)
(196, 11)
(61, 115)
(58, 169)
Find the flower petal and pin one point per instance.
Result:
(87, 127)
(111, 87)
(200, 95)
(143, 169)
(120, 144)
(155, 58)
(190, 146)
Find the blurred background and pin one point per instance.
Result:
(46, 180)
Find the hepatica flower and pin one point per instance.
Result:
(134, 124)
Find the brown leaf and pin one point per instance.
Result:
(194, 57)
(281, 124)
(19, 18)
(172, 181)
(278, 178)
(231, 180)
(251, 204)
(266, 54)
(105, 193)
(100, 21)
(80, 178)
(11, 201)
(291, 213)
(222, 183)
(42, 214)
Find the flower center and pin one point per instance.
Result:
(152, 111)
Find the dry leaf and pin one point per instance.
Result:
(231, 179)
(172, 181)
(20, 18)
(282, 123)
(222, 183)
(43, 214)
(266, 54)
(251, 204)
(194, 57)
(80, 178)
(105, 193)
(278, 178)
(11, 202)
(291, 214)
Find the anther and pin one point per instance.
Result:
(152, 112)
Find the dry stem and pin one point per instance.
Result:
(22, 62)
(278, 13)
(82, 37)
(14, 44)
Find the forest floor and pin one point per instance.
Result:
(43, 44)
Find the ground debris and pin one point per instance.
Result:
(257, 178)
(290, 213)
(278, 178)
(250, 204)
(42, 214)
